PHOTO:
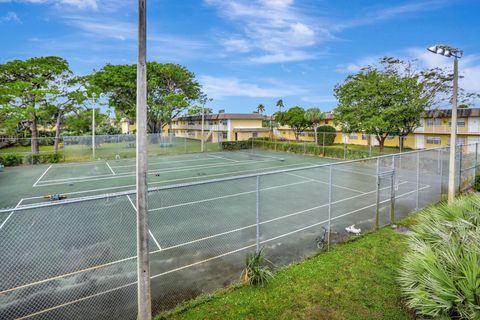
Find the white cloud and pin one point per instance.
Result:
(319, 99)
(10, 17)
(269, 29)
(81, 4)
(104, 28)
(282, 57)
(219, 87)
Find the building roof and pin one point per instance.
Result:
(447, 113)
(223, 116)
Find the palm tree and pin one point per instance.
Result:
(261, 108)
(314, 115)
(280, 105)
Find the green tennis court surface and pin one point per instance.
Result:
(78, 257)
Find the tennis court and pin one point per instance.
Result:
(207, 211)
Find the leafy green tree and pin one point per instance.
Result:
(280, 105)
(260, 108)
(196, 109)
(79, 123)
(170, 90)
(295, 119)
(27, 87)
(368, 102)
(314, 116)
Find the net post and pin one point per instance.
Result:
(377, 195)
(418, 182)
(258, 214)
(440, 171)
(329, 205)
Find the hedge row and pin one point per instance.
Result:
(12, 159)
(300, 148)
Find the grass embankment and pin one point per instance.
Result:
(355, 280)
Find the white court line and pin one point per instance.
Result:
(44, 173)
(227, 196)
(209, 259)
(108, 165)
(164, 162)
(319, 181)
(196, 240)
(150, 172)
(166, 181)
(220, 157)
(5, 221)
(151, 234)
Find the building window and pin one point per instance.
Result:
(460, 122)
(460, 141)
(390, 137)
(254, 134)
(225, 135)
(434, 122)
(364, 136)
(225, 122)
(353, 136)
(434, 140)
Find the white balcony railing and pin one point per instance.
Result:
(443, 129)
(215, 127)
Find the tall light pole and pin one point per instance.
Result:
(448, 51)
(143, 267)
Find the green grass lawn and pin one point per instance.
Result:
(355, 280)
(25, 149)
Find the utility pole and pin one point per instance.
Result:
(448, 52)
(143, 267)
(453, 136)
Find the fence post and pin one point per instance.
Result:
(460, 158)
(304, 147)
(392, 193)
(440, 171)
(476, 162)
(258, 215)
(344, 151)
(329, 205)
(323, 144)
(377, 209)
(369, 145)
(418, 181)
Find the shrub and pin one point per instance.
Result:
(236, 145)
(255, 272)
(330, 134)
(54, 158)
(10, 160)
(476, 184)
(440, 275)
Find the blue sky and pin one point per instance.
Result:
(248, 52)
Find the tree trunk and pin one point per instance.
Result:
(297, 135)
(57, 132)
(34, 140)
(381, 142)
(400, 143)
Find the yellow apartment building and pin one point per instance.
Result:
(434, 129)
(221, 127)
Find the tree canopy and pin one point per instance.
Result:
(33, 88)
(295, 118)
(171, 88)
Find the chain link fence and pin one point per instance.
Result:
(76, 258)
